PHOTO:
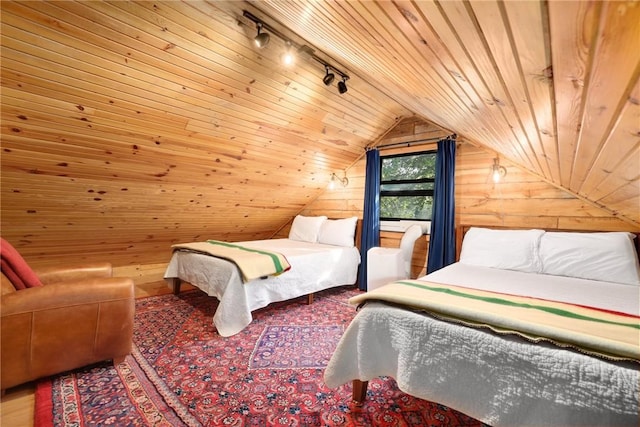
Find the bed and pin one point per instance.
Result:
(322, 253)
(473, 360)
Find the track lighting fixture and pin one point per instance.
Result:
(302, 51)
(342, 86)
(261, 39)
(328, 78)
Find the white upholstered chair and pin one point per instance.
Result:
(386, 265)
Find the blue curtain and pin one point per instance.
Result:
(442, 243)
(371, 215)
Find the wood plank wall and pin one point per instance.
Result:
(521, 199)
(349, 201)
(130, 126)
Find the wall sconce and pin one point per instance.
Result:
(498, 172)
(344, 181)
(293, 49)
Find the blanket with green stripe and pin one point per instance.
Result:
(252, 263)
(591, 330)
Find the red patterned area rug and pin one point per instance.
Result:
(182, 373)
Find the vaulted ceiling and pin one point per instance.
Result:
(553, 86)
(119, 117)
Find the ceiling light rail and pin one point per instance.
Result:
(262, 38)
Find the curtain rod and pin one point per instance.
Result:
(416, 142)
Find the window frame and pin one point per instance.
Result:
(406, 193)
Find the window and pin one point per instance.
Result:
(406, 186)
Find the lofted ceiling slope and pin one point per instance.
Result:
(127, 124)
(552, 86)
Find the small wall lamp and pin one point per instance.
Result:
(344, 181)
(497, 172)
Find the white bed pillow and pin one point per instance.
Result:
(338, 232)
(504, 249)
(306, 228)
(608, 257)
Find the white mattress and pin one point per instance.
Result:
(314, 267)
(502, 380)
(592, 293)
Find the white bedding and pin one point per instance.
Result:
(314, 267)
(592, 293)
(502, 380)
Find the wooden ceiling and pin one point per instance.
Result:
(131, 123)
(552, 86)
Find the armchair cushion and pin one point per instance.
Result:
(16, 268)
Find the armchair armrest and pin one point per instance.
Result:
(54, 274)
(67, 294)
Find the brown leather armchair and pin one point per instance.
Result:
(82, 315)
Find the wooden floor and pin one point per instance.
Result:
(17, 407)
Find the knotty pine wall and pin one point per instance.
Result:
(349, 201)
(521, 199)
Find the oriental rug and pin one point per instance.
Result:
(182, 373)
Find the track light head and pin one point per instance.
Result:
(261, 39)
(328, 78)
(342, 86)
(289, 56)
(305, 52)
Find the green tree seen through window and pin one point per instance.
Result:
(406, 186)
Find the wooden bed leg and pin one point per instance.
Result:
(309, 299)
(175, 284)
(359, 391)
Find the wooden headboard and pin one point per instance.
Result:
(358, 236)
(461, 230)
